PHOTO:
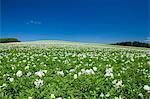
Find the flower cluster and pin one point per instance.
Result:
(117, 84)
(38, 83)
(87, 71)
(60, 73)
(109, 72)
(41, 73)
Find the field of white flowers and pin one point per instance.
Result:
(64, 70)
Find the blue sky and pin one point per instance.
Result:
(100, 21)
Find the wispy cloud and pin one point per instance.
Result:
(147, 39)
(34, 22)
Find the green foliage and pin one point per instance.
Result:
(7, 40)
(135, 43)
(130, 66)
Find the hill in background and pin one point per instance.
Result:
(8, 40)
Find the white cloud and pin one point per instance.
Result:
(147, 40)
(34, 22)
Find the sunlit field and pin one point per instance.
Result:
(70, 70)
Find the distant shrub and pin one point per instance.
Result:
(135, 43)
(7, 40)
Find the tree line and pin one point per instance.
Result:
(134, 43)
(8, 40)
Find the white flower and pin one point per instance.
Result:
(79, 73)
(11, 79)
(27, 67)
(132, 59)
(59, 98)
(5, 75)
(19, 73)
(95, 68)
(24, 61)
(107, 95)
(75, 76)
(72, 70)
(29, 74)
(38, 83)
(89, 71)
(140, 94)
(118, 97)
(39, 73)
(4, 85)
(109, 72)
(13, 68)
(84, 56)
(30, 98)
(101, 95)
(146, 88)
(52, 96)
(114, 81)
(60, 73)
(109, 75)
(117, 84)
(34, 65)
(83, 70)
